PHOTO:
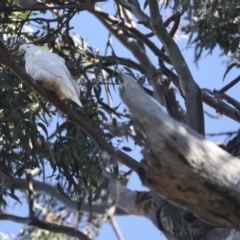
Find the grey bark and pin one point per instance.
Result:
(183, 167)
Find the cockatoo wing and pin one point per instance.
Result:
(51, 70)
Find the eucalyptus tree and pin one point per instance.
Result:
(66, 161)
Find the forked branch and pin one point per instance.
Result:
(182, 166)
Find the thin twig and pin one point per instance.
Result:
(114, 60)
(104, 76)
(220, 106)
(30, 196)
(116, 228)
(45, 225)
(213, 116)
(222, 133)
(229, 85)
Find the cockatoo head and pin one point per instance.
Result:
(27, 49)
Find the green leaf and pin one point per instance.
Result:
(127, 149)
(97, 90)
(214, 5)
(98, 191)
(12, 195)
(141, 80)
(2, 202)
(129, 72)
(228, 69)
(198, 52)
(102, 114)
(75, 151)
(42, 126)
(98, 68)
(19, 171)
(44, 47)
(60, 189)
(16, 132)
(114, 122)
(234, 44)
(5, 85)
(107, 108)
(145, 4)
(110, 58)
(25, 15)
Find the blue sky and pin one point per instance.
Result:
(209, 74)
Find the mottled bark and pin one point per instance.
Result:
(183, 167)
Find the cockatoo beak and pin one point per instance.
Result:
(22, 52)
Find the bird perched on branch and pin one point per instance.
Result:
(51, 71)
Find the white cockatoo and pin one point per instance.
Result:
(51, 71)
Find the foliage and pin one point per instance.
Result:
(213, 23)
(29, 123)
(35, 134)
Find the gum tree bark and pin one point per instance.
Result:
(183, 167)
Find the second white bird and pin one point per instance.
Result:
(51, 71)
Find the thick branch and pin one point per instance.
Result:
(30, 196)
(215, 103)
(190, 88)
(182, 166)
(118, 23)
(230, 85)
(14, 218)
(51, 191)
(220, 106)
(106, 61)
(58, 229)
(135, 8)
